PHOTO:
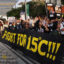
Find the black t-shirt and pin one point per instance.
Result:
(37, 29)
(52, 26)
(52, 16)
(55, 25)
(42, 29)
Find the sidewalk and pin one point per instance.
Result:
(8, 57)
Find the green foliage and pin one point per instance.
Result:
(62, 2)
(14, 12)
(35, 9)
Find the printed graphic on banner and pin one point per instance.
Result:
(58, 9)
(34, 44)
(51, 11)
(62, 9)
(50, 8)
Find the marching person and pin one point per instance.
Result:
(1, 26)
(62, 28)
(39, 27)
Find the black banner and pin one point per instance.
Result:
(43, 47)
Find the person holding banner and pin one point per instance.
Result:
(62, 27)
(53, 26)
(39, 27)
(1, 26)
(27, 25)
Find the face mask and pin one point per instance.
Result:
(18, 23)
(10, 25)
(14, 25)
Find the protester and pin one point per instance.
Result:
(10, 26)
(14, 26)
(6, 23)
(18, 25)
(39, 27)
(44, 21)
(1, 26)
(50, 25)
(38, 24)
(22, 24)
(62, 27)
(27, 25)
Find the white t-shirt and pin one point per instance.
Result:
(61, 27)
(41, 30)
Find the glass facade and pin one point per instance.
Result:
(6, 5)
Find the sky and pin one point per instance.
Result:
(21, 1)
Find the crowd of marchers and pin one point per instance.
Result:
(38, 24)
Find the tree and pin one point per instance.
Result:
(62, 2)
(35, 9)
(14, 12)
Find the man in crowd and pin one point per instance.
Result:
(1, 26)
(62, 27)
(41, 24)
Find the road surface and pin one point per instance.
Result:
(10, 56)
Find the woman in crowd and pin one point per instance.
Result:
(26, 25)
(1, 26)
(23, 24)
(18, 24)
(62, 27)
(39, 27)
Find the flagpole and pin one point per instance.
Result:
(25, 11)
(46, 9)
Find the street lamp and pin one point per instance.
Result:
(11, 4)
(46, 8)
(25, 11)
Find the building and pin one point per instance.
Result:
(6, 5)
(38, 0)
(58, 2)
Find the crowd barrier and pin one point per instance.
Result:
(42, 47)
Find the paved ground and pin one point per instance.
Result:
(10, 56)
